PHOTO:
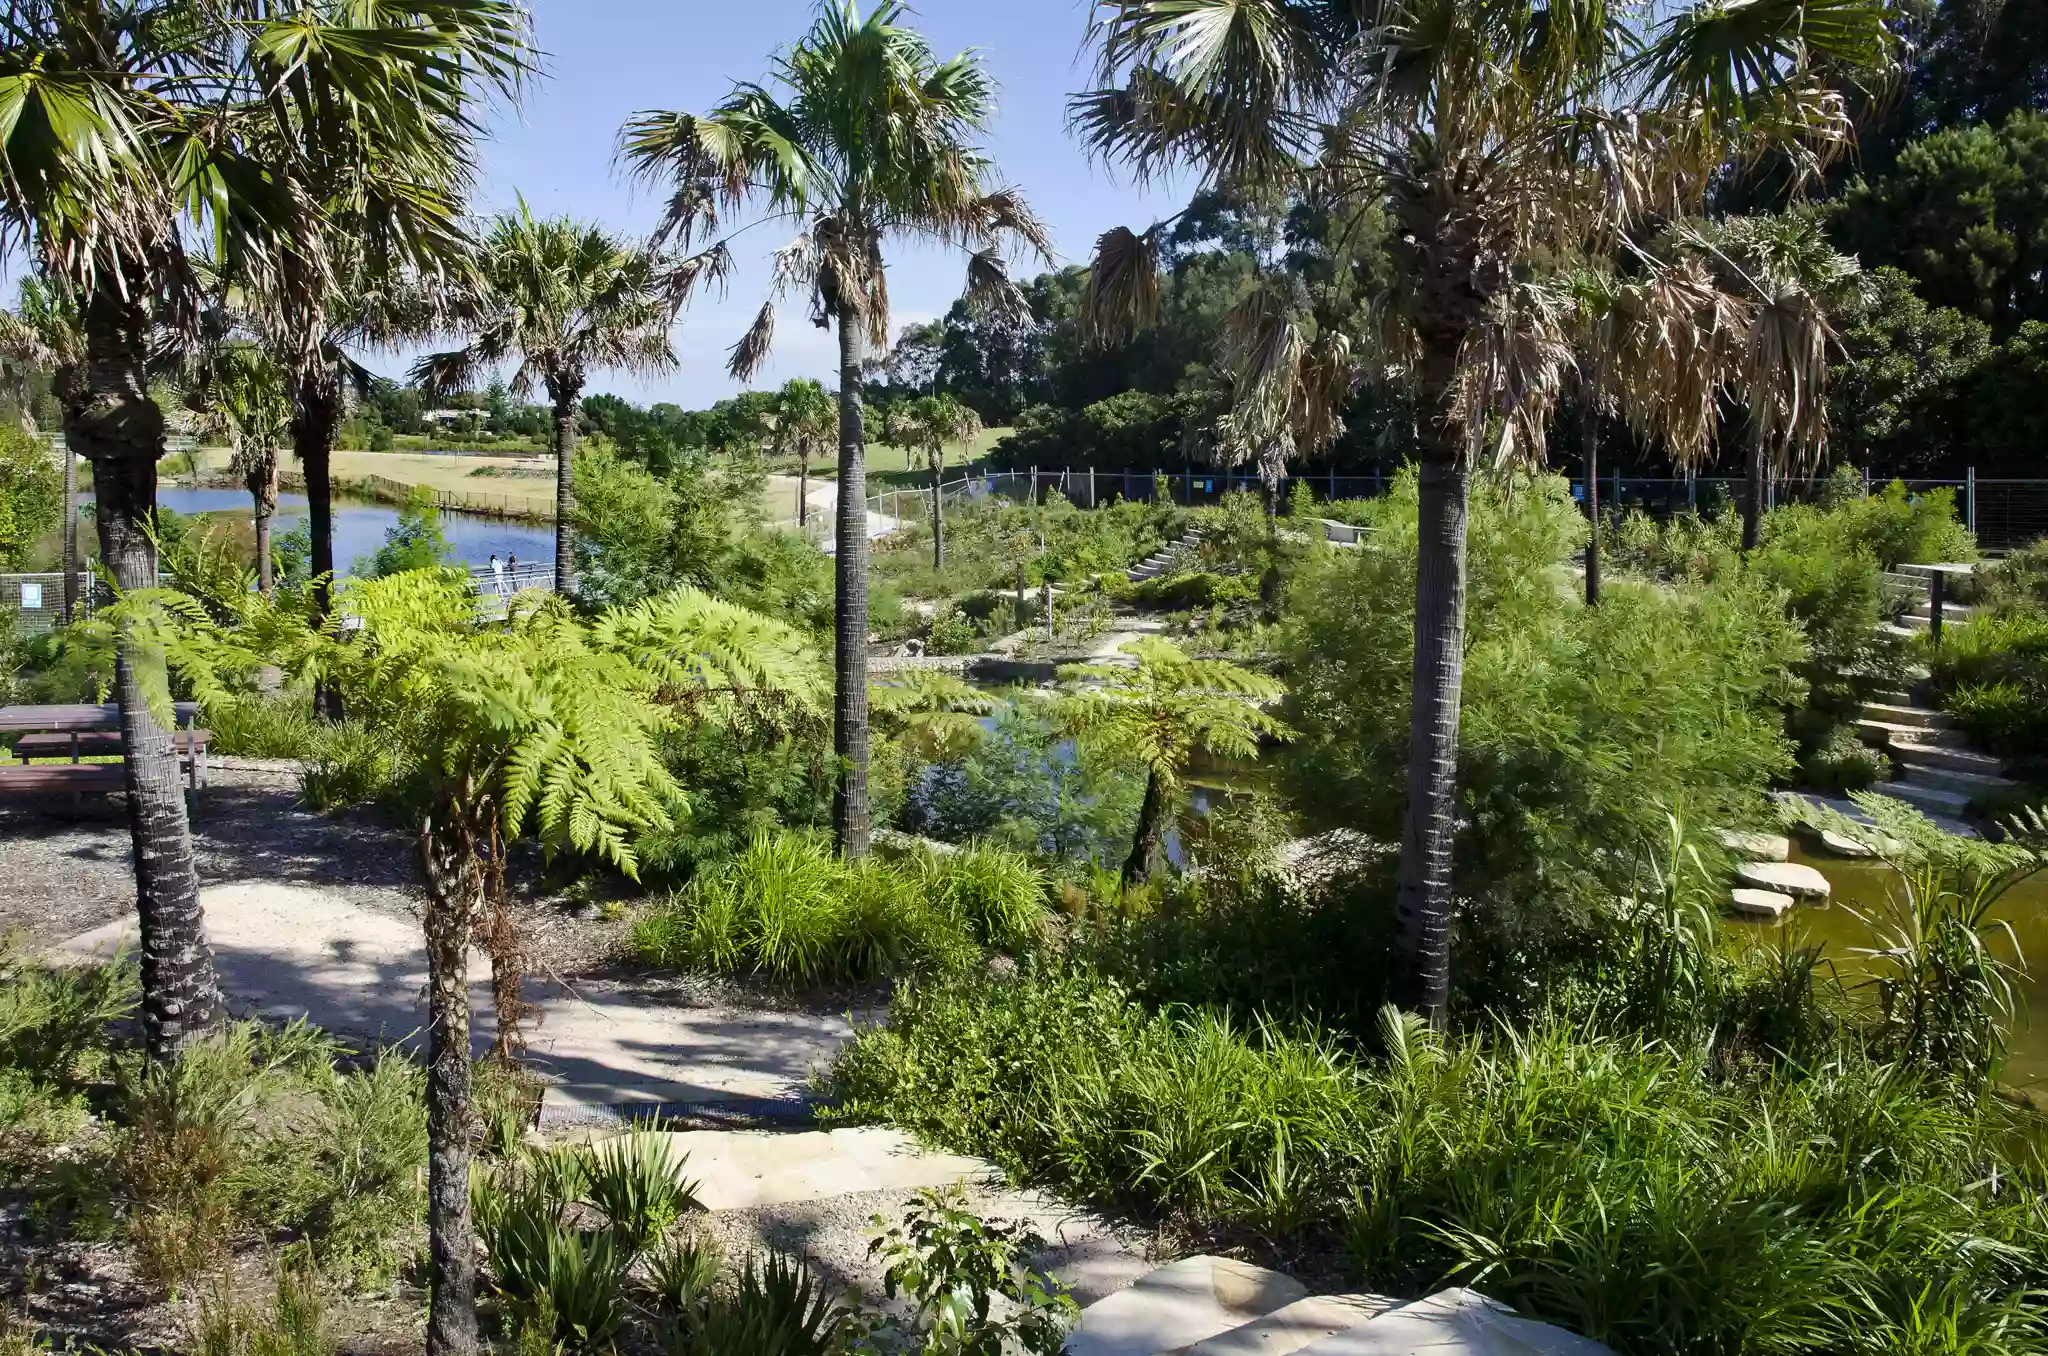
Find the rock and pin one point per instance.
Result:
(1296, 1326)
(1842, 845)
(1788, 878)
(1455, 1323)
(1756, 847)
(1179, 1305)
(1761, 903)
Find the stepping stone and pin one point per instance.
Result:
(1761, 903)
(1456, 1323)
(1757, 847)
(1180, 1305)
(739, 1169)
(1787, 878)
(1842, 845)
(1296, 1326)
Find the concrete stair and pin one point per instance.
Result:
(1921, 618)
(1935, 770)
(1167, 558)
(1216, 1306)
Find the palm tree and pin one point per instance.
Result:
(1502, 137)
(870, 138)
(134, 126)
(42, 334)
(1161, 713)
(805, 420)
(930, 423)
(241, 396)
(568, 298)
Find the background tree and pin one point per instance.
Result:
(241, 397)
(869, 137)
(930, 423)
(31, 493)
(1500, 139)
(568, 298)
(1161, 714)
(805, 420)
(42, 335)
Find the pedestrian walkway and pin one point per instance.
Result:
(290, 951)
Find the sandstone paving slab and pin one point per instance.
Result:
(286, 951)
(1298, 1325)
(1455, 1323)
(1179, 1305)
(1761, 903)
(1788, 878)
(743, 1169)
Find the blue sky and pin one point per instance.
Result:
(605, 59)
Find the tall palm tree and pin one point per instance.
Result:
(1162, 712)
(1501, 136)
(42, 334)
(869, 138)
(567, 298)
(930, 423)
(241, 396)
(805, 421)
(129, 128)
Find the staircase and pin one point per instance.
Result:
(1216, 1306)
(1934, 768)
(1167, 559)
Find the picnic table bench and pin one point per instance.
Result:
(80, 731)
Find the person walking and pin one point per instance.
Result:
(497, 574)
(512, 571)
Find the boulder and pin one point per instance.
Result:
(1296, 1326)
(1787, 878)
(1756, 847)
(1180, 1305)
(1455, 1323)
(1760, 903)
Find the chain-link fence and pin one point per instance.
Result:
(35, 602)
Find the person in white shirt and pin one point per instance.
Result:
(497, 574)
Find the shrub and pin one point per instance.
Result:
(52, 1018)
(2017, 584)
(353, 765)
(789, 908)
(680, 1275)
(949, 1263)
(636, 1182)
(357, 1154)
(1624, 1188)
(1185, 592)
(295, 1325)
(265, 727)
(777, 1308)
(997, 893)
(1993, 674)
(952, 632)
(536, 1256)
(1838, 762)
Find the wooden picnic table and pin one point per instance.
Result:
(89, 725)
(79, 718)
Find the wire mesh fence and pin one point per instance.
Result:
(35, 602)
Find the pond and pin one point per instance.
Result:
(1861, 887)
(360, 525)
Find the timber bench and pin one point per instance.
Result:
(78, 732)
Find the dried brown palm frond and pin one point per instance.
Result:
(1512, 370)
(1123, 286)
(745, 358)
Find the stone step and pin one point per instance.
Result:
(1889, 734)
(1788, 878)
(1756, 847)
(1925, 717)
(1957, 759)
(1894, 698)
(1760, 903)
(1954, 779)
(1950, 612)
(1179, 1305)
(1929, 800)
(1300, 1324)
(1456, 1323)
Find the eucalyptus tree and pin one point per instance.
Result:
(565, 298)
(128, 128)
(42, 335)
(930, 423)
(1503, 139)
(805, 422)
(866, 138)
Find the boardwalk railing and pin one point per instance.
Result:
(387, 491)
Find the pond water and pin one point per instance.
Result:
(360, 525)
(1861, 887)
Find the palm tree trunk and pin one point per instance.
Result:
(1429, 824)
(1753, 496)
(850, 632)
(1589, 436)
(263, 494)
(939, 510)
(119, 427)
(803, 489)
(316, 414)
(564, 392)
(70, 535)
(1150, 840)
(454, 889)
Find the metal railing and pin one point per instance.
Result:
(388, 491)
(2004, 513)
(504, 583)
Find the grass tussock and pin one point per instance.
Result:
(790, 909)
(1623, 1187)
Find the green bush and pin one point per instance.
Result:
(636, 1182)
(790, 908)
(536, 1256)
(1185, 592)
(1621, 1187)
(265, 727)
(952, 632)
(997, 893)
(1993, 674)
(352, 764)
(2018, 584)
(1839, 762)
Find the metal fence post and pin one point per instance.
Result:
(1091, 487)
(1970, 500)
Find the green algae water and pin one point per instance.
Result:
(1863, 886)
